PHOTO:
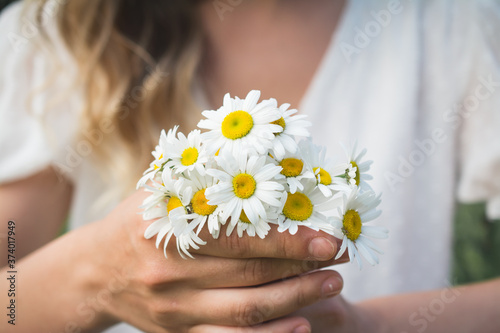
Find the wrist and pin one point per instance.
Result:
(59, 281)
(94, 279)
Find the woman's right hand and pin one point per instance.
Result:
(233, 282)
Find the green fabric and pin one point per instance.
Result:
(476, 245)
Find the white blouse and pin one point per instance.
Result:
(415, 82)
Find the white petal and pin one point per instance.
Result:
(369, 256)
(371, 215)
(267, 197)
(250, 212)
(343, 247)
(154, 228)
(374, 231)
(220, 175)
(251, 100)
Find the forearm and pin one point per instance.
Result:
(471, 308)
(54, 286)
(38, 205)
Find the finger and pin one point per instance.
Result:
(255, 305)
(305, 244)
(215, 271)
(283, 325)
(247, 272)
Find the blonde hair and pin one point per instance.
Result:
(137, 62)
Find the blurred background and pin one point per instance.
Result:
(476, 240)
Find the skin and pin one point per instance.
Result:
(48, 200)
(294, 35)
(273, 46)
(107, 272)
(471, 308)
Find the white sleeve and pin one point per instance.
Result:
(35, 128)
(480, 131)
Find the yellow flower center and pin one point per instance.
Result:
(173, 203)
(292, 167)
(324, 177)
(244, 218)
(244, 185)
(298, 207)
(357, 172)
(237, 124)
(189, 156)
(352, 224)
(200, 205)
(280, 122)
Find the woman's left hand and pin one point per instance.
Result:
(339, 316)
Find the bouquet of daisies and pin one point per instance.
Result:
(248, 170)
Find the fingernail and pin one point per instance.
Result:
(331, 287)
(321, 248)
(302, 329)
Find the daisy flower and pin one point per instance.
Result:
(202, 212)
(186, 154)
(185, 237)
(168, 199)
(355, 174)
(292, 126)
(303, 208)
(294, 171)
(357, 209)
(179, 197)
(325, 171)
(170, 225)
(241, 125)
(168, 202)
(245, 185)
(160, 157)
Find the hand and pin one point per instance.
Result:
(233, 282)
(339, 316)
